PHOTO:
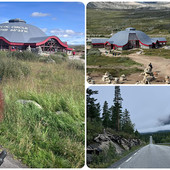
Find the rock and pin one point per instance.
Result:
(59, 112)
(101, 137)
(28, 48)
(125, 144)
(39, 50)
(116, 81)
(167, 80)
(107, 77)
(148, 70)
(139, 52)
(50, 60)
(25, 102)
(90, 80)
(103, 142)
(148, 79)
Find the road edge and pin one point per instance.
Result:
(120, 161)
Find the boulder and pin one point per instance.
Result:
(101, 137)
(26, 102)
(125, 144)
(167, 80)
(28, 48)
(116, 81)
(104, 146)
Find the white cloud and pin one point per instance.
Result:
(54, 18)
(66, 33)
(39, 14)
(44, 29)
(154, 129)
(70, 36)
(4, 20)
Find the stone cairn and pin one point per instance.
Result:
(167, 80)
(123, 78)
(90, 79)
(39, 50)
(107, 77)
(148, 75)
(28, 48)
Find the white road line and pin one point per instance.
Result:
(129, 159)
(135, 153)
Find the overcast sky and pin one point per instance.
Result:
(63, 19)
(149, 106)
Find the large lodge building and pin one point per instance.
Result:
(17, 35)
(128, 39)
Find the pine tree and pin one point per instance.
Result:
(93, 109)
(126, 123)
(106, 115)
(137, 134)
(116, 109)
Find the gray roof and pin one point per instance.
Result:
(37, 39)
(158, 39)
(99, 40)
(18, 31)
(121, 38)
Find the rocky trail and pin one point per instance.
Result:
(159, 64)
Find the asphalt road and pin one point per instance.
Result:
(150, 156)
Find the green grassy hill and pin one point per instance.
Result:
(52, 137)
(103, 22)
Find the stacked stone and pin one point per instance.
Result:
(90, 80)
(28, 48)
(167, 80)
(148, 75)
(122, 78)
(107, 77)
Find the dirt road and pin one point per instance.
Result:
(159, 64)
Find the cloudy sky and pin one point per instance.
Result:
(149, 107)
(63, 19)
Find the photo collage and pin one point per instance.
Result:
(85, 84)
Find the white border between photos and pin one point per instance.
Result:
(85, 2)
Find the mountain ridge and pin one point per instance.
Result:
(129, 5)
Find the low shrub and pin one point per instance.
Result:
(104, 158)
(93, 51)
(25, 55)
(63, 54)
(58, 58)
(10, 68)
(75, 64)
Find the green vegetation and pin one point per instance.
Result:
(111, 120)
(158, 137)
(110, 61)
(52, 137)
(12, 68)
(158, 52)
(107, 159)
(114, 65)
(103, 22)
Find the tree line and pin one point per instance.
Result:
(111, 117)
